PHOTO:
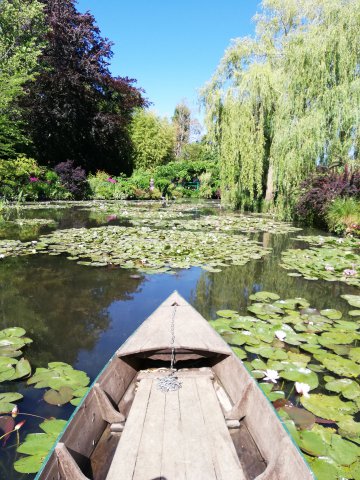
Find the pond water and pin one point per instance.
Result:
(80, 315)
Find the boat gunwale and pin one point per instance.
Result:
(225, 355)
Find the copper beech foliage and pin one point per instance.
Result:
(76, 110)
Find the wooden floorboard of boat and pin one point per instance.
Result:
(176, 435)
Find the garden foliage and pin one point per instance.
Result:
(22, 30)
(75, 108)
(284, 102)
(153, 140)
(324, 189)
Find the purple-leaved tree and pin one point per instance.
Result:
(75, 108)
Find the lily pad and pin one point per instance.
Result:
(331, 313)
(353, 300)
(328, 407)
(301, 375)
(60, 377)
(37, 446)
(338, 364)
(7, 401)
(264, 296)
(226, 313)
(64, 395)
(348, 388)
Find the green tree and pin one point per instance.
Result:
(182, 124)
(153, 140)
(286, 101)
(21, 30)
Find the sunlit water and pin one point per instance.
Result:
(80, 315)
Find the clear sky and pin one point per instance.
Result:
(171, 47)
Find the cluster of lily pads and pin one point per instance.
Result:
(153, 251)
(65, 384)
(29, 221)
(37, 446)
(310, 357)
(329, 258)
(12, 340)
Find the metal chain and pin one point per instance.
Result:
(172, 342)
(170, 383)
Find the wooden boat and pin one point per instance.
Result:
(217, 425)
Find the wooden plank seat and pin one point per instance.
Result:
(177, 435)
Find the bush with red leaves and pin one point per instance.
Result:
(73, 179)
(322, 188)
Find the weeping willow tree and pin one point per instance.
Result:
(286, 101)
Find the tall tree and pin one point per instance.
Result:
(21, 29)
(153, 140)
(76, 110)
(286, 101)
(182, 123)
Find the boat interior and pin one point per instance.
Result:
(216, 425)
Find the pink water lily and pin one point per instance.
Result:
(329, 268)
(33, 179)
(280, 335)
(302, 388)
(111, 180)
(14, 412)
(349, 272)
(271, 376)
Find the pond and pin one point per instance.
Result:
(79, 313)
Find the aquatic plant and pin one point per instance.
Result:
(37, 446)
(329, 258)
(65, 383)
(320, 386)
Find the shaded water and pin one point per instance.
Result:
(80, 315)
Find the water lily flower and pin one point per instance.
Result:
(19, 425)
(14, 412)
(271, 375)
(33, 179)
(340, 240)
(329, 268)
(349, 272)
(2, 256)
(280, 335)
(302, 388)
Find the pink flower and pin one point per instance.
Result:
(111, 180)
(33, 179)
(302, 388)
(14, 412)
(271, 375)
(349, 272)
(19, 425)
(110, 218)
(329, 268)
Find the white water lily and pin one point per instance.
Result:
(271, 375)
(280, 335)
(302, 388)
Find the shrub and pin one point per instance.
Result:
(73, 179)
(321, 189)
(343, 216)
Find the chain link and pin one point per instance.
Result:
(170, 383)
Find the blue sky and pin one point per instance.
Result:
(171, 47)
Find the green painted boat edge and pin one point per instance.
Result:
(107, 364)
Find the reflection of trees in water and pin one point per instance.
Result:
(62, 306)
(232, 287)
